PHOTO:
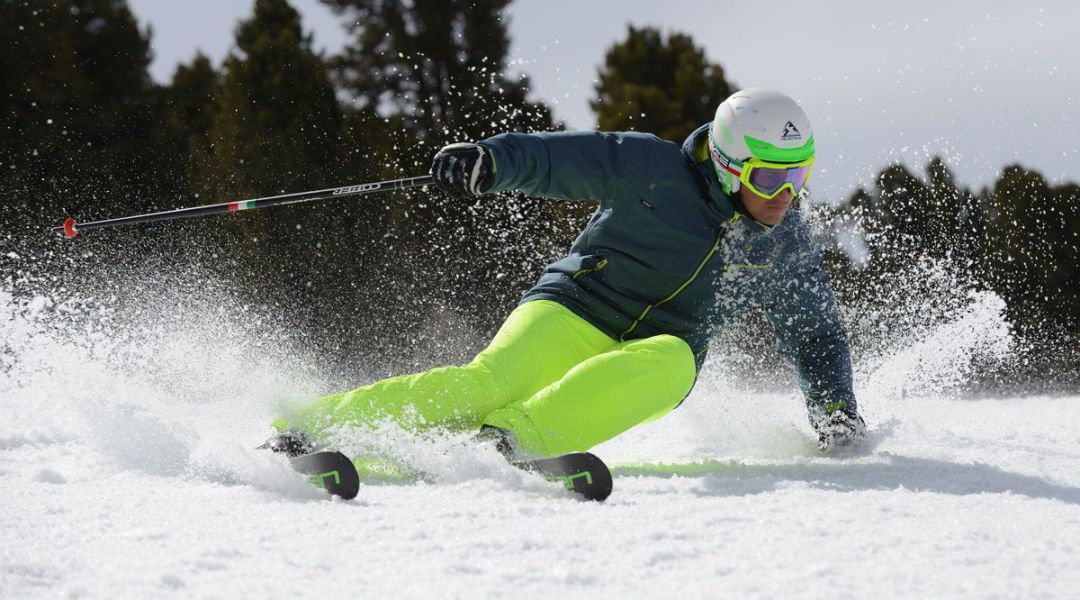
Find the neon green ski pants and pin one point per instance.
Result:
(551, 378)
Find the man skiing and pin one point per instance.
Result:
(683, 242)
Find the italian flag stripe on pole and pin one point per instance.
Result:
(243, 205)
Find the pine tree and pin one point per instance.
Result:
(276, 123)
(1033, 250)
(75, 107)
(1019, 239)
(275, 128)
(186, 109)
(439, 65)
(657, 85)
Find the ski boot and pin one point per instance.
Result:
(291, 443)
(502, 438)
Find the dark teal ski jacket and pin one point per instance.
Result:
(666, 251)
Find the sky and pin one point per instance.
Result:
(982, 84)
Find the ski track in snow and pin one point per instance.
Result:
(143, 483)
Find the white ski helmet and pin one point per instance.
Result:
(757, 123)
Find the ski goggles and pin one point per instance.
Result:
(766, 179)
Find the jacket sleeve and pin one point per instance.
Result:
(802, 311)
(580, 165)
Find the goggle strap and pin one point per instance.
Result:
(724, 161)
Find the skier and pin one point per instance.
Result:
(683, 242)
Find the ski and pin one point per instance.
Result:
(581, 472)
(330, 470)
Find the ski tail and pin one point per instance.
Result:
(581, 472)
(330, 470)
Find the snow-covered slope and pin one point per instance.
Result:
(127, 470)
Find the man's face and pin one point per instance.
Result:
(766, 211)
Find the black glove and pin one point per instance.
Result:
(464, 170)
(837, 425)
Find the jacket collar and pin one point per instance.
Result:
(718, 208)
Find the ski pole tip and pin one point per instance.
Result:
(69, 228)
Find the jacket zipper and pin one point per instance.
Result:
(599, 265)
(716, 246)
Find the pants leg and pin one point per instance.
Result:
(632, 383)
(539, 342)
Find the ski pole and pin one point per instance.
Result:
(71, 229)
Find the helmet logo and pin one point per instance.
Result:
(790, 132)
